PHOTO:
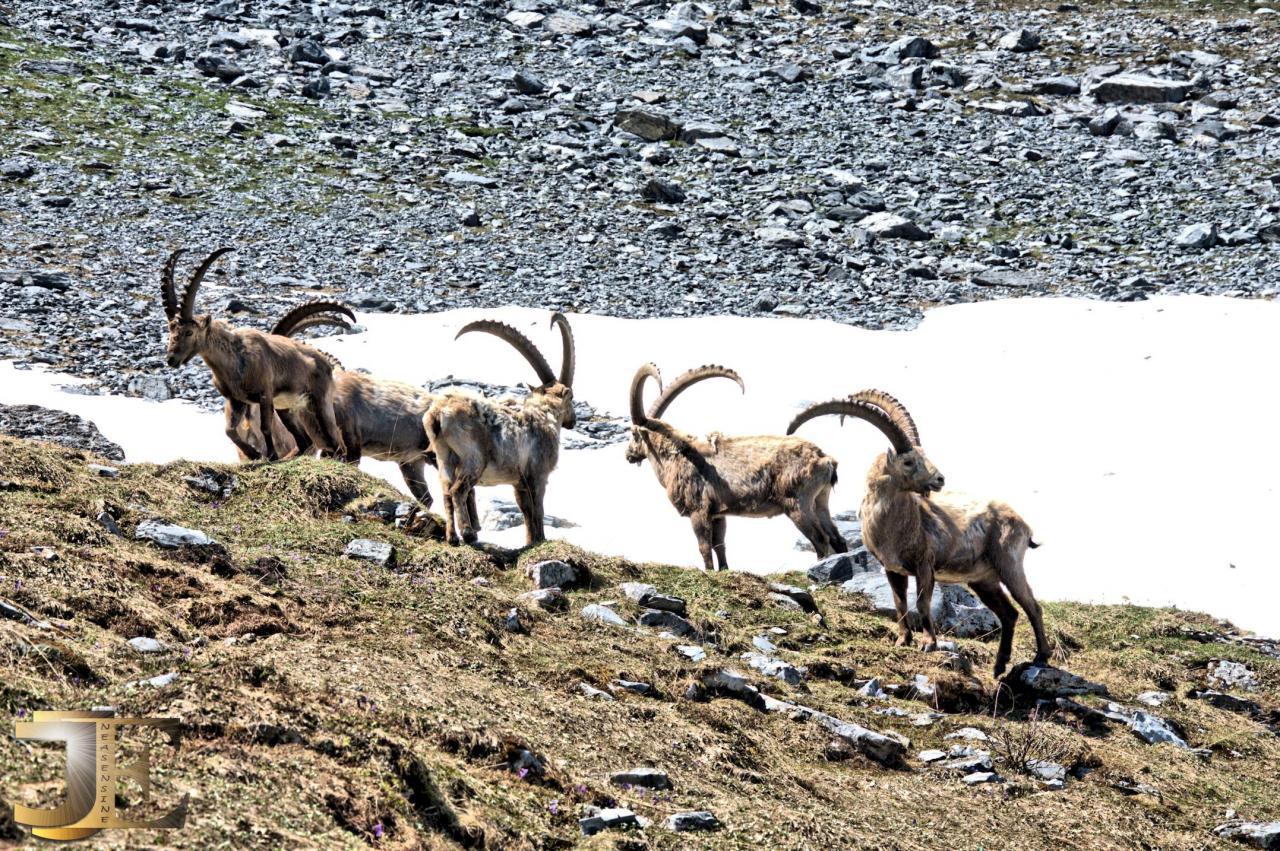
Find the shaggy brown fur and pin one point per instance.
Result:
(251, 368)
(916, 529)
(710, 480)
(504, 441)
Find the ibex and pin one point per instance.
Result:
(252, 368)
(378, 418)
(310, 315)
(916, 529)
(480, 441)
(709, 480)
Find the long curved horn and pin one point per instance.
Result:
(687, 380)
(166, 284)
(568, 361)
(189, 296)
(637, 391)
(863, 410)
(288, 323)
(896, 411)
(320, 320)
(519, 341)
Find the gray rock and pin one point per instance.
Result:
(375, 552)
(1138, 88)
(1046, 681)
(719, 145)
(1045, 770)
(1197, 237)
(1227, 674)
(907, 47)
(144, 644)
(779, 237)
(954, 609)
(470, 179)
(549, 599)
(770, 667)
(610, 818)
(1153, 698)
(669, 621)
(692, 652)
(32, 422)
(153, 387)
(17, 168)
(594, 693)
(968, 764)
(800, 595)
(553, 574)
(645, 689)
(972, 734)
(158, 681)
(602, 614)
(931, 756)
(662, 191)
(1154, 730)
(512, 622)
(648, 125)
(839, 567)
(1020, 41)
(104, 471)
(171, 537)
(1258, 834)
(647, 778)
(891, 226)
(692, 820)
(981, 777)
(1059, 85)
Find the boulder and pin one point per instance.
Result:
(1139, 88)
(955, 610)
(1259, 834)
(171, 537)
(376, 552)
(692, 820)
(602, 614)
(606, 819)
(648, 125)
(1049, 682)
(647, 778)
(553, 573)
(892, 226)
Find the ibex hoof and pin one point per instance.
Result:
(903, 640)
(929, 647)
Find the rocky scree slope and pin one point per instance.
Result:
(855, 161)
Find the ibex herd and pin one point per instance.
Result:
(284, 398)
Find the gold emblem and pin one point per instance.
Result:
(93, 743)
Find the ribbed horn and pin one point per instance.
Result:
(895, 409)
(189, 296)
(687, 380)
(863, 410)
(568, 361)
(288, 324)
(167, 289)
(519, 341)
(320, 320)
(637, 391)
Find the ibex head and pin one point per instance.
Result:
(558, 390)
(640, 421)
(187, 332)
(905, 461)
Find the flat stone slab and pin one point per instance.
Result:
(170, 536)
(692, 820)
(646, 778)
(602, 614)
(1139, 88)
(376, 552)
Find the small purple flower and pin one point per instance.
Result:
(377, 830)
(581, 788)
(22, 713)
(522, 773)
(554, 807)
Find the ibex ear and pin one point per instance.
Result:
(204, 321)
(890, 454)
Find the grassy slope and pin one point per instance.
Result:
(374, 696)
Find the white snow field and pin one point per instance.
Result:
(1137, 439)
